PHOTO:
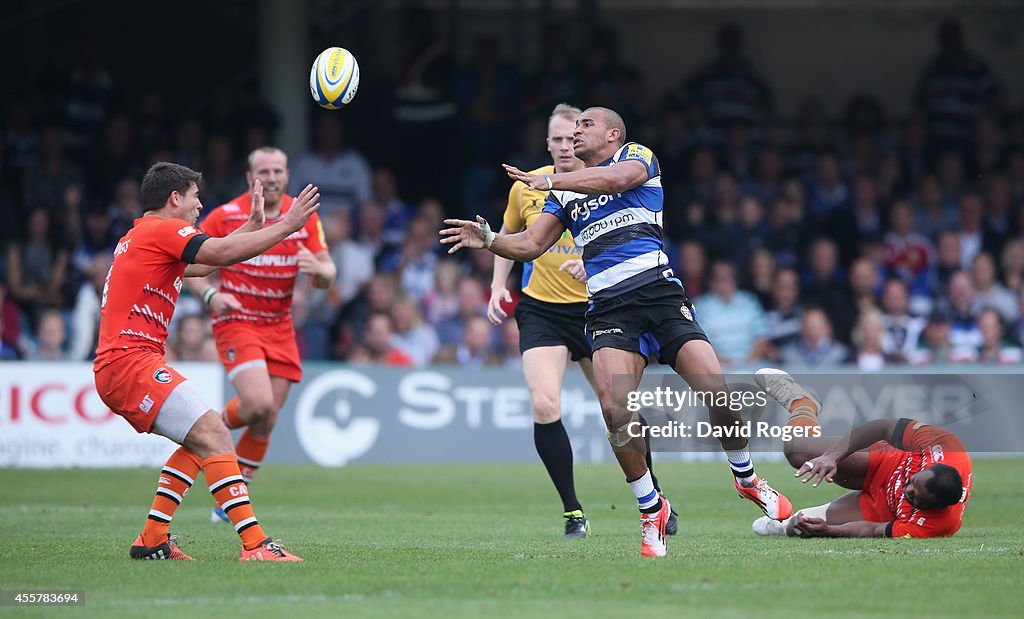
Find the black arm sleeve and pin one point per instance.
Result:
(896, 440)
(192, 248)
(888, 528)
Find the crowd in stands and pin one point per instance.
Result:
(854, 239)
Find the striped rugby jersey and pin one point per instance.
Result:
(620, 233)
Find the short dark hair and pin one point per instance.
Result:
(946, 485)
(164, 178)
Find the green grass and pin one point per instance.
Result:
(460, 541)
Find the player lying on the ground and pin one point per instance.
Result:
(909, 479)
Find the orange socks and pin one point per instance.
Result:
(176, 478)
(232, 495)
(231, 417)
(250, 452)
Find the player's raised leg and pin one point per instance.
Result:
(544, 369)
(697, 363)
(617, 373)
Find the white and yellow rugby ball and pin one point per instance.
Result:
(334, 78)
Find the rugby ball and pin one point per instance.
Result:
(334, 78)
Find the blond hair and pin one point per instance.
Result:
(269, 150)
(566, 111)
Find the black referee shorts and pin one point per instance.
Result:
(553, 324)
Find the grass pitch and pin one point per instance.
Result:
(460, 541)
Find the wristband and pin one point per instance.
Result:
(548, 179)
(208, 294)
(488, 233)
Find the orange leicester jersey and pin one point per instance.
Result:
(143, 284)
(262, 284)
(918, 446)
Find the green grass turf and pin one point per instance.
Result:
(460, 541)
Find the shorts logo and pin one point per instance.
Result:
(162, 376)
(685, 311)
(231, 355)
(146, 405)
(598, 332)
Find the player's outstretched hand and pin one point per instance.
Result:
(533, 181)
(468, 234)
(823, 468)
(257, 217)
(810, 527)
(224, 303)
(302, 208)
(575, 268)
(494, 311)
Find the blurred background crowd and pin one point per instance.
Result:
(825, 238)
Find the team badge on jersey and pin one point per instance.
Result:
(639, 151)
(162, 376)
(231, 355)
(685, 311)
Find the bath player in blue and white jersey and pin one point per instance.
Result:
(638, 308)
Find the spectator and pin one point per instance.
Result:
(825, 287)
(988, 292)
(7, 352)
(377, 347)
(36, 268)
(418, 260)
(955, 88)
(974, 237)
(948, 262)
(892, 183)
(729, 89)
(693, 268)
(864, 285)
(222, 178)
(508, 354)
(1012, 265)
(786, 236)
(908, 255)
(901, 331)
(10, 319)
(125, 209)
(861, 222)
(411, 335)
(397, 213)
(959, 304)
(50, 338)
(85, 316)
(994, 348)
(761, 276)
(783, 320)
(732, 319)
(827, 192)
(816, 347)
(933, 213)
(442, 302)
(192, 341)
(998, 206)
(353, 257)
(867, 338)
(1016, 331)
(55, 185)
(341, 173)
(377, 297)
(96, 240)
(768, 176)
(935, 347)
(473, 348)
(471, 302)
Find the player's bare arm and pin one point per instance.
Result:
(817, 527)
(238, 247)
(522, 246)
(499, 286)
(319, 266)
(823, 468)
(617, 178)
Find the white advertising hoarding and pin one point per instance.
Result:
(51, 416)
